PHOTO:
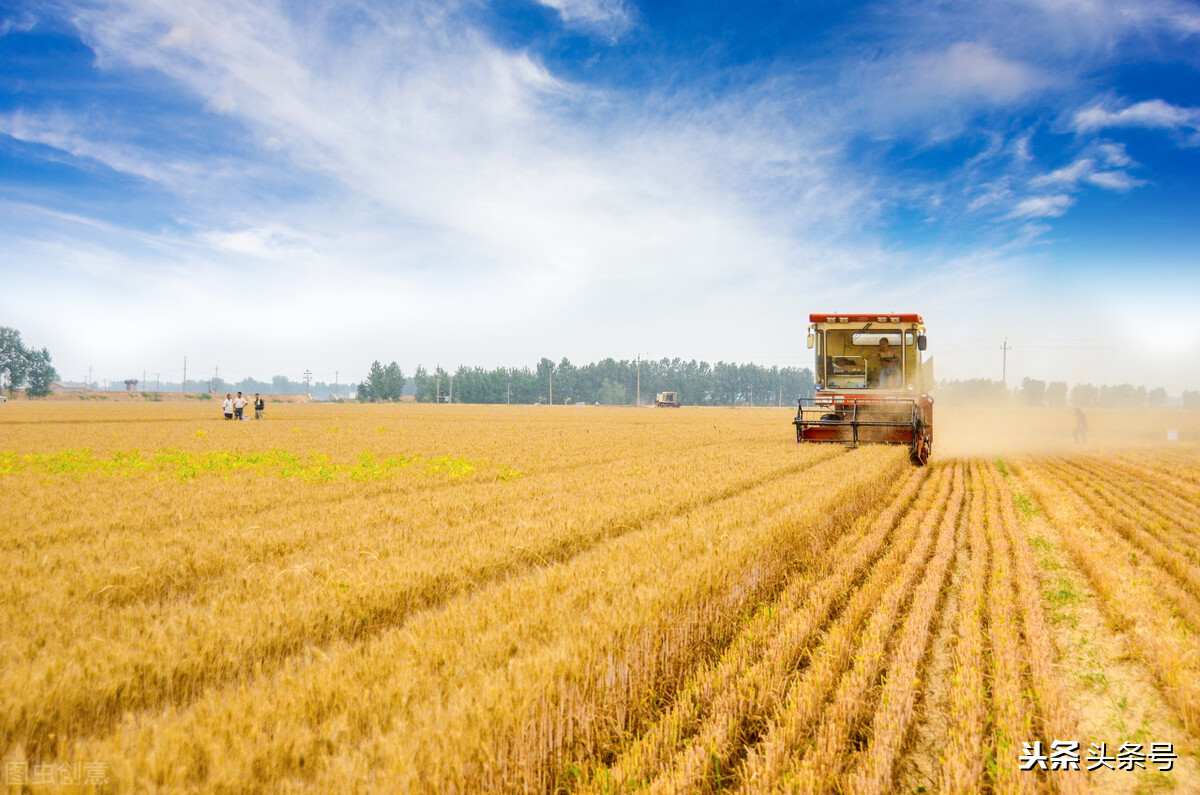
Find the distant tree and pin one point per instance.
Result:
(394, 381)
(280, 385)
(972, 390)
(1157, 397)
(1122, 396)
(1085, 396)
(374, 386)
(1191, 400)
(14, 359)
(421, 389)
(612, 394)
(1056, 394)
(545, 371)
(40, 374)
(1033, 391)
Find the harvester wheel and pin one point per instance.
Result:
(918, 451)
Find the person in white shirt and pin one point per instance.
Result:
(227, 407)
(239, 403)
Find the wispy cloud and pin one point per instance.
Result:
(1051, 206)
(608, 17)
(1151, 114)
(1087, 170)
(22, 22)
(400, 160)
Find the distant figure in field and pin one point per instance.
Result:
(239, 405)
(259, 406)
(227, 407)
(1080, 432)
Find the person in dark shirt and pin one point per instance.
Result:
(260, 406)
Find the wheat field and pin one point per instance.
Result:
(414, 598)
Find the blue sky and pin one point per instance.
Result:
(274, 187)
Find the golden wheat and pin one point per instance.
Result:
(465, 599)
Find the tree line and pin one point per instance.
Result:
(1057, 394)
(609, 382)
(22, 367)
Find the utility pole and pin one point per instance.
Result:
(157, 378)
(183, 387)
(307, 379)
(437, 398)
(336, 390)
(143, 380)
(639, 380)
(90, 376)
(780, 397)
(551, 385)
(1004, 367)
(509, 402)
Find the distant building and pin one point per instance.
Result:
(131, 384)
(69, 386)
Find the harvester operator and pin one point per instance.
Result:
(888, 373)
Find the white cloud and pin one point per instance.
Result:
(1085, 170)
(608, 16)
(21, 23)
(72, 136)
(1153, 114)
(1113, 155)
(447, 197)
(1067, 176)
(971, 68)
(436, 172)
(1051, 206)
(939, 88)
(1114, 180)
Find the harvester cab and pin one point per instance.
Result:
(872, 383)
(667, 400)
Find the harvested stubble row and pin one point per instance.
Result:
(893, 715)
(1011, 718)
(831, 671)
(1053, 716)
(966, 749)
(1133, 595)
(1168, 554)
(1156, 519)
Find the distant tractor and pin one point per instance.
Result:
(667, 399)
(872, 383)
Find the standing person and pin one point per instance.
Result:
(227, 407)
(239, 404)
(260, 406)
(1080, 432)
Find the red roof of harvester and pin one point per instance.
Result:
(839, 318)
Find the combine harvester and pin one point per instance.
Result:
(668, 400)
(872, 385)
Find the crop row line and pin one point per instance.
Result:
(725, 705)
(847, 645)
(1126, 598)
